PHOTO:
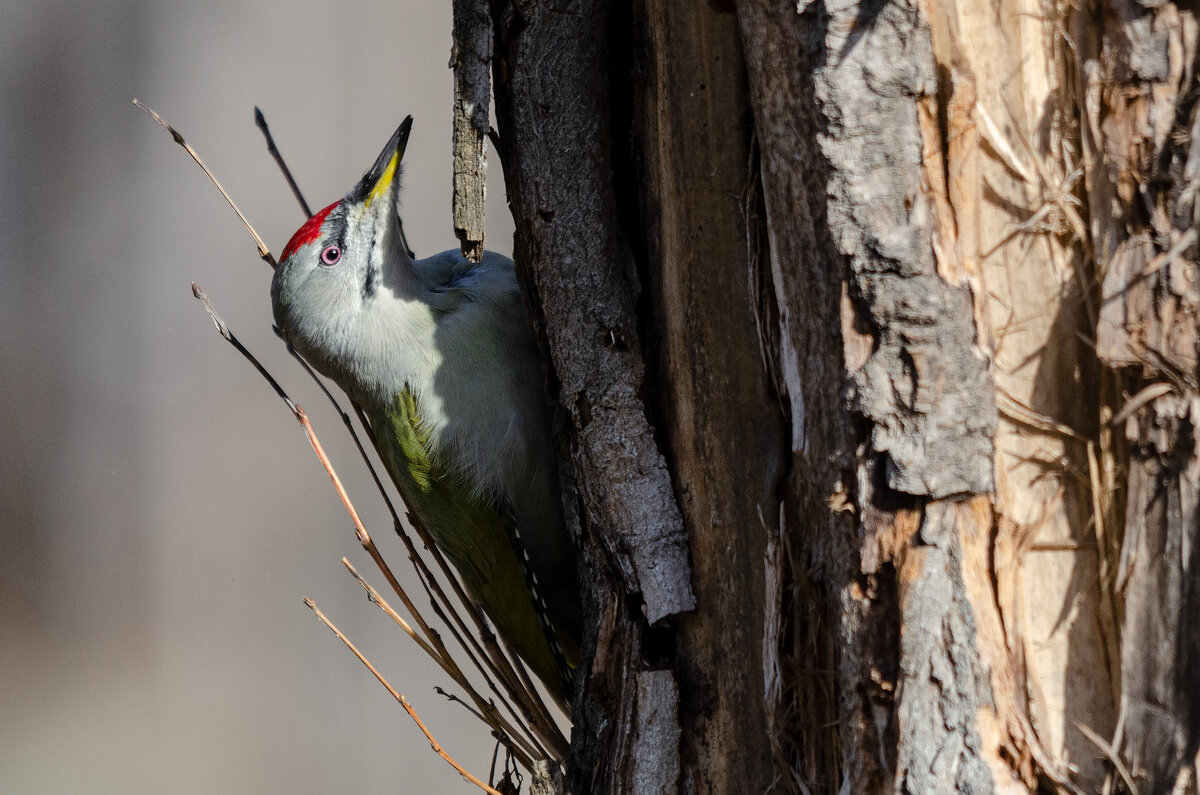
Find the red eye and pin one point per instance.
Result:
(331, 254)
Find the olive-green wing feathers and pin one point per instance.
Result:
(472, 533)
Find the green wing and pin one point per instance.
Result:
(469, 531)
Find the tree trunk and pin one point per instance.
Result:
(1142, 133)
(872, 328)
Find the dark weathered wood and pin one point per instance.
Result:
(721, 424)
(578, 271)
(801, 305)
(1142, 123)
(1160, 649)
(553, 103)
(471, 60)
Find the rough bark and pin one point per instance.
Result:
(892, 404)
(580, 281)
(471, 60)
(554, 104)
(655, 767)
(721, 424)
(855, 224)
(1143, 130)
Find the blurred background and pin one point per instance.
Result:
(161, 514)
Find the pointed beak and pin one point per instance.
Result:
(382, 177)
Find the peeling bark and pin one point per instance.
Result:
(1142, 121)
(553, 103)
(866, 230)
(471, 61)
(937, 441)
(655, 766)
(942, 683)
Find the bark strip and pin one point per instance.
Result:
(722, 429)
(656, 755)
(838, 88)
(943, 685)
(580, 285)
(471, 60)
(1143, 123)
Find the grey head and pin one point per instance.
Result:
(332, 268)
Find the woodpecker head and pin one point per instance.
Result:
(337, 261)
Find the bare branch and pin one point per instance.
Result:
(263, 251)
(261, 122)
(1111, 754)
(1144, 396)
(533, 717)
(229, 337)
(487, 712)
(403, 701)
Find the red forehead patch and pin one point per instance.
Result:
(307, 233)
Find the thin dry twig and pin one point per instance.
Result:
(1167, 257)
(298, 412)
(1110, 753)
(263, 251)
(1144, 396)
(374, 598)
(224, 331)
(534, 711)
(1160, 261)
(1061, 198)
(533, 717)
(401, 699)
(1017, 412)
(453, 699)
(991, 133)
(1109, 631)
(533, 747)
(508, 671)
(260, 121)
(487, 711)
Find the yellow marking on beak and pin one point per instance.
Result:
(385, 180)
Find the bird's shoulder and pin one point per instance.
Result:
(452, 277)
